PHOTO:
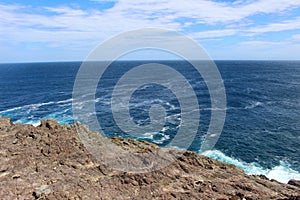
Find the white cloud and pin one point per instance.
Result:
(128, 14)
(202, 11)
(276, 27)
(259, 50)
(69, 26)
(214, 33)
(262, 44)
(66, 10)
(296, 37)
(287, 25)
(75, 28)
(100, 1)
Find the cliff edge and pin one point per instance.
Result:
(50, 162)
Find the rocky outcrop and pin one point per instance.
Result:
(50, 162)
(294, 182)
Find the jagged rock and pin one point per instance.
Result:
(5, 123)
(44, 189)
(50, 123)
(294, 182)
(50, 162)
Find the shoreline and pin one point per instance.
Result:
(50, 161)
(281, 173)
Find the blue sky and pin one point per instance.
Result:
(61, 30)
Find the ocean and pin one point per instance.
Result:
(261, 134)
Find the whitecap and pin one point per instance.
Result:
(36, 106)
(254, 105)
(65, 101)
(11, 109)
(164, 129)
(282, 173)
(164, 138)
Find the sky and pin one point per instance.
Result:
(65, 30)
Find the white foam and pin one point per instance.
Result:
(164, 138)
(164, 129)
(36, 123)
(65, 101)
(215, 109)
(150, 135)
(30, 107)
(32, 122)
(254, 105)
(282, 173)
(61, 116)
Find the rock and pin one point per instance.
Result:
(4, 168)
(263, 177)
(44, 189)
(16, 176)
(49, 123)
(2, 174)
(294, 182)
(291, 198)
(53, 155)
(5, 123)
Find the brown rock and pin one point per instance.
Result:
(50, 162)
(294, 182)
(5, 123)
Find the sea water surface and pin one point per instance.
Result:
(261, 134)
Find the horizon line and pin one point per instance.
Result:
(139, 60)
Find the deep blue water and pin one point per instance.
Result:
(262, 129)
